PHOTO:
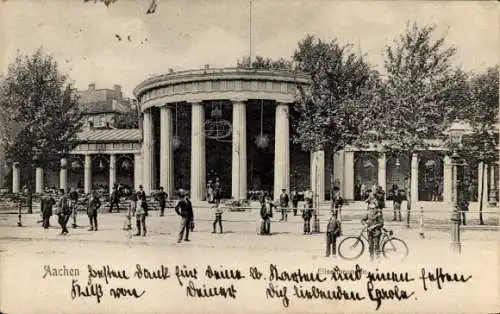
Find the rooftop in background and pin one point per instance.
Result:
(110, 135)
(96, 101)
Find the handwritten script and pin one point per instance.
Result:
(278, 284)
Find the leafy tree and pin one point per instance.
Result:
(262, 63)
(481, 111)
(330, 110)
(39, 99)
(127, 120)
(416, 104)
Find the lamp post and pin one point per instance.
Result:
(456, 133)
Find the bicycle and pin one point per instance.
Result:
(352, 247)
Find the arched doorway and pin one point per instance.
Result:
(430, 177)
(365, 170)
(397, 173)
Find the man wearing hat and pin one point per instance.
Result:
(284, 199)
(162, 200)
(185, 210)
(374, 222)
(333, 230)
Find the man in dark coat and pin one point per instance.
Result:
(380, 196)
(307, 215)
(92, 208)
(397, 199)
(46, 207)
(333, 230)
(266, 213)
(337, 203)
(73, 199)
(374, 223)
(162, 200)
(185, 210)
(115, 200)
(63, 212)
(284, 199)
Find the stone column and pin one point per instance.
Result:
(381, 171)
(147, 152)
(338, 170)
(485, 183)
(87, 174)
(63, 175)
(112, 172)
(239, 159)
(38, 180)
(197, 152)
(138, 167)
(318, 174)
(447, 179)
(349, 175)
(414, 178)
(492, 201)
(15, 178)
(166, 150)
(281, 150)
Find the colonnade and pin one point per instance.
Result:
(198, 158)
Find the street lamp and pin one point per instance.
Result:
(456, 132)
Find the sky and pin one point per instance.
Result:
(187, 34)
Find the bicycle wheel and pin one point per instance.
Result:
(351, 248)
(395, 249)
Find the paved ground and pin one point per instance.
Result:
(24, 251)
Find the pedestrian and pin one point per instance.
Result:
(337, 203)
(266, 213)
(141, 211)
(380, 196)
(307, 215)
(46, 209)
(92, 207)
(73, 200)
(115, 200)
(218, 210)
(162, 200)
(374, 223)
(295, 202)
(284, 199)
(185, 210)
(63, 212)
(363, 192)
(132, 201)
(397, 199)
(308, 198)
(333, 230)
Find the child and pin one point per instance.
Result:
(218, 216)
(333, 230)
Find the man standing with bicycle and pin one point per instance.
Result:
(374, 222)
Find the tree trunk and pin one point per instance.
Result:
(481, 221)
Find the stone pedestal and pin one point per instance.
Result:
(318, 175)
(38, 180)
(349, 175)
(112, 172)
(87, 174)
(147, 153)
(381, 171)
(166, 150)
(63, 175)
(198, 152)
(138, 167)
(281, 151)
(239, 158)
(414, 178)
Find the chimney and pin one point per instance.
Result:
(118, 91)
(92, 87)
